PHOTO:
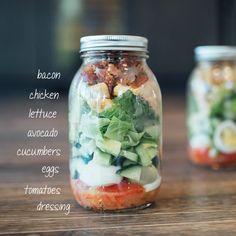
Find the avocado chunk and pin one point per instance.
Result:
(87, 147)
(127, 162)
(152, 131)
(230, 109)
(146, 152)
(109, 146)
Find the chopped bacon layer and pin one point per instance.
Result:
(125, 72)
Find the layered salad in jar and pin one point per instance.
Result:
(115, 135)
(212, 116)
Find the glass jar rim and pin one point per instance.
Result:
(113, 43)
(215, 52)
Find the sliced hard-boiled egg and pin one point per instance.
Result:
(200, 141)
(154, 185)
(99, 175)
(150, 178)
(225, 137)
(148, 174)
(80, 165)
(77, 164)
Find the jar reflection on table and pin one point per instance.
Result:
(115, 125)
(212, 107)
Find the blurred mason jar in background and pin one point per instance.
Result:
(211, 116)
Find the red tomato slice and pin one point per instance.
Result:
(201, 156)
(123, 187)
(117, 196)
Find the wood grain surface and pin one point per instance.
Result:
(192, 200)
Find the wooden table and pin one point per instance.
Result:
(192, 200)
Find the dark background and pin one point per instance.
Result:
(44, 34)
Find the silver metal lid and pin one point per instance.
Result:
(113, 42)
(212, 53)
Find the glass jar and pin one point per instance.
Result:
(212, 107)
(115, 125)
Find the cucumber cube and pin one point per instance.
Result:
(131, 172)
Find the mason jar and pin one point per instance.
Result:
(212, 107)
(115, 125)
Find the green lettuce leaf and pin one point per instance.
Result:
(146, 152)
(129, 106)
(90, 126)
(134, 105)
(129, 115)
(117, 129)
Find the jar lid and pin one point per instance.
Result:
(212, 53)
(113, 42)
